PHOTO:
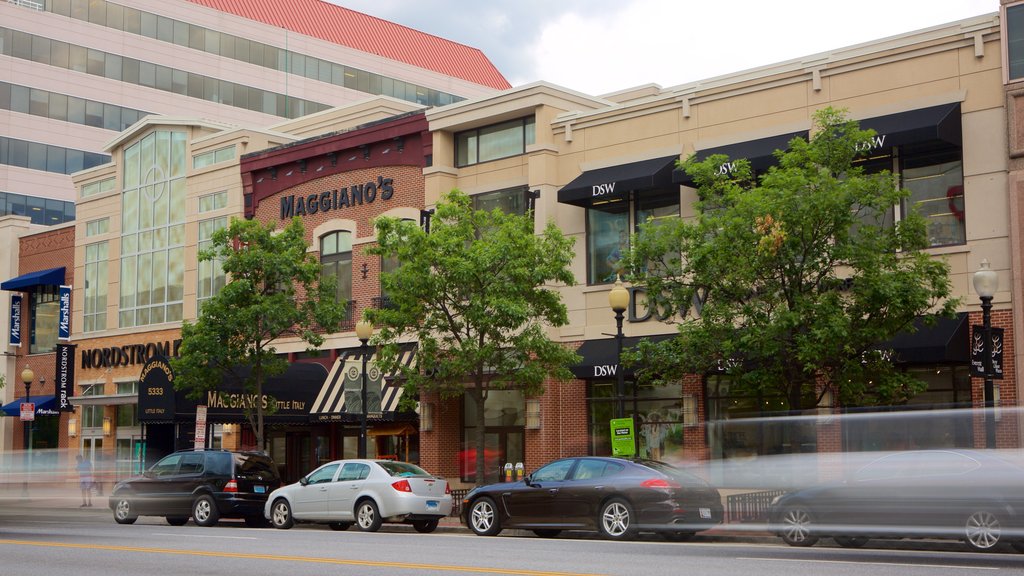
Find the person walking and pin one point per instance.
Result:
(85, 480)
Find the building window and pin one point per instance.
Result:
(213, 157)
(336, 261)
(97, 227)
(504, 423)
(93, 188)
(1014, 29)
(95, 311)
(509, 200)
(212, 202)
(41, 210)
(153, 230)
(44, 312)
(609, 226)
(92, 414)
(494, 142)
(211, 272)
(660, 418)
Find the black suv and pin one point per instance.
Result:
(205, 485)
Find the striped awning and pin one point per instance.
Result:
(340, 396)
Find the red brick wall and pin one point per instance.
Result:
(1007, 429)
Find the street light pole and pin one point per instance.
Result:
(364, 330)
(986, 281)
(27, 376)
(618, 299)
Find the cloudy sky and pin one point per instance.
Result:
(600, 46)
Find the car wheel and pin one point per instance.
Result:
(367, 516)
(177, 520)
(483, 518)
(851, 541)
(425, 526)
(255, 521)
(281, 514)
(982, 531)
(797, 527)
(124, 513)
(616, 520)
(204, 511)
(339, 526)
(547, 532)
(678, 536)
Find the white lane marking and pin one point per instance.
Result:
(862, 563)
(179, 535)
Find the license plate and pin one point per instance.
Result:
(432, 504)
(705, 513)
(260, 489)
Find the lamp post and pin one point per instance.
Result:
(364, 330)
(27, 376)
(618, 299)
(986, 281)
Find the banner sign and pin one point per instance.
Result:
(353, 388)
(15, 320)
(65, 377)
(64, 313)
(993, 350)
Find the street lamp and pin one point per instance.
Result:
(364, 330)
(27, 376)
(986, 281)
(618, 299)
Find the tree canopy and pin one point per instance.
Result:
(477, 294)
(790, 280)
(274, 290)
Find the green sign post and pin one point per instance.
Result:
(623, 443)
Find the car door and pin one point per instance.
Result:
(151, 490)
(537, 501)
(346, 489)
(580, 495)
(181, 485)
(310, 500)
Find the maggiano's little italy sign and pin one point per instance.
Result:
(337, 199)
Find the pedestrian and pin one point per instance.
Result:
(85, 480)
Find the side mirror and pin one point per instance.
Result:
(528, 480)
(304, 481)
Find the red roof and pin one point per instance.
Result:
(366, 33)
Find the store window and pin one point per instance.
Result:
(744, 423)
(660, 416)
(336, 262)
(609, 227)
(92, 414)
(494, 142)
(504, 422)
(44, 312)
(508, 200)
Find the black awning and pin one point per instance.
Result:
(600, 357)
(947, 341)
(28, 282)
(614, 182)
(760, 153)
(921, 125)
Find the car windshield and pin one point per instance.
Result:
(403, 469)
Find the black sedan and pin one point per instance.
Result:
(613, 496)
(974, 496)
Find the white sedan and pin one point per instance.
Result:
(365, 492)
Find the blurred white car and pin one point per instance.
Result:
(364, 492)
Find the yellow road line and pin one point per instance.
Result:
(310, 559)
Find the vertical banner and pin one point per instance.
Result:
(200, 427)
(64, 314)
(15, 335)
(980, 349)
(65, 377)
(353, 387)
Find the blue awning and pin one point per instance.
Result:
(26, 282)
(44, 406)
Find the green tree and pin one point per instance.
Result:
(274, 290)
(477, 296)
(792, 279)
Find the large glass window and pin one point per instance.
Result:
(659, 415)
(336, 260)
(609, 226)
(494, 142)
(509, 200)
(1014, 27)
(44, 312)
(92, 414)
(43, 211)
(153, 230)
(95, 311)
(211, 272)
(504, 421)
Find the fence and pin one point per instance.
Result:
(457, 496)
(749, 506)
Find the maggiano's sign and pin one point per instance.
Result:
(337, 199)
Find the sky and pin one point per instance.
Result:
(602, 46)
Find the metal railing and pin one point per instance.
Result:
(457, 496)
(27, 4)
(750, 506)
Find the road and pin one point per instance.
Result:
(86, 542)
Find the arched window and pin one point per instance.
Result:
(336, 260)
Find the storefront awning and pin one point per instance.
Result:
(914, 126)
(28, 282)
(105, 400)
(760, 153)
(600, 357)
(336, 402)
(45, 406)
(402, 429)
(945, 342)
(614, 182)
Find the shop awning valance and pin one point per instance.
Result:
(600, 357)
(945, 342)
(337, 402)
(760, 153)
(615, 182)
(940, 123)
(28, 282)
